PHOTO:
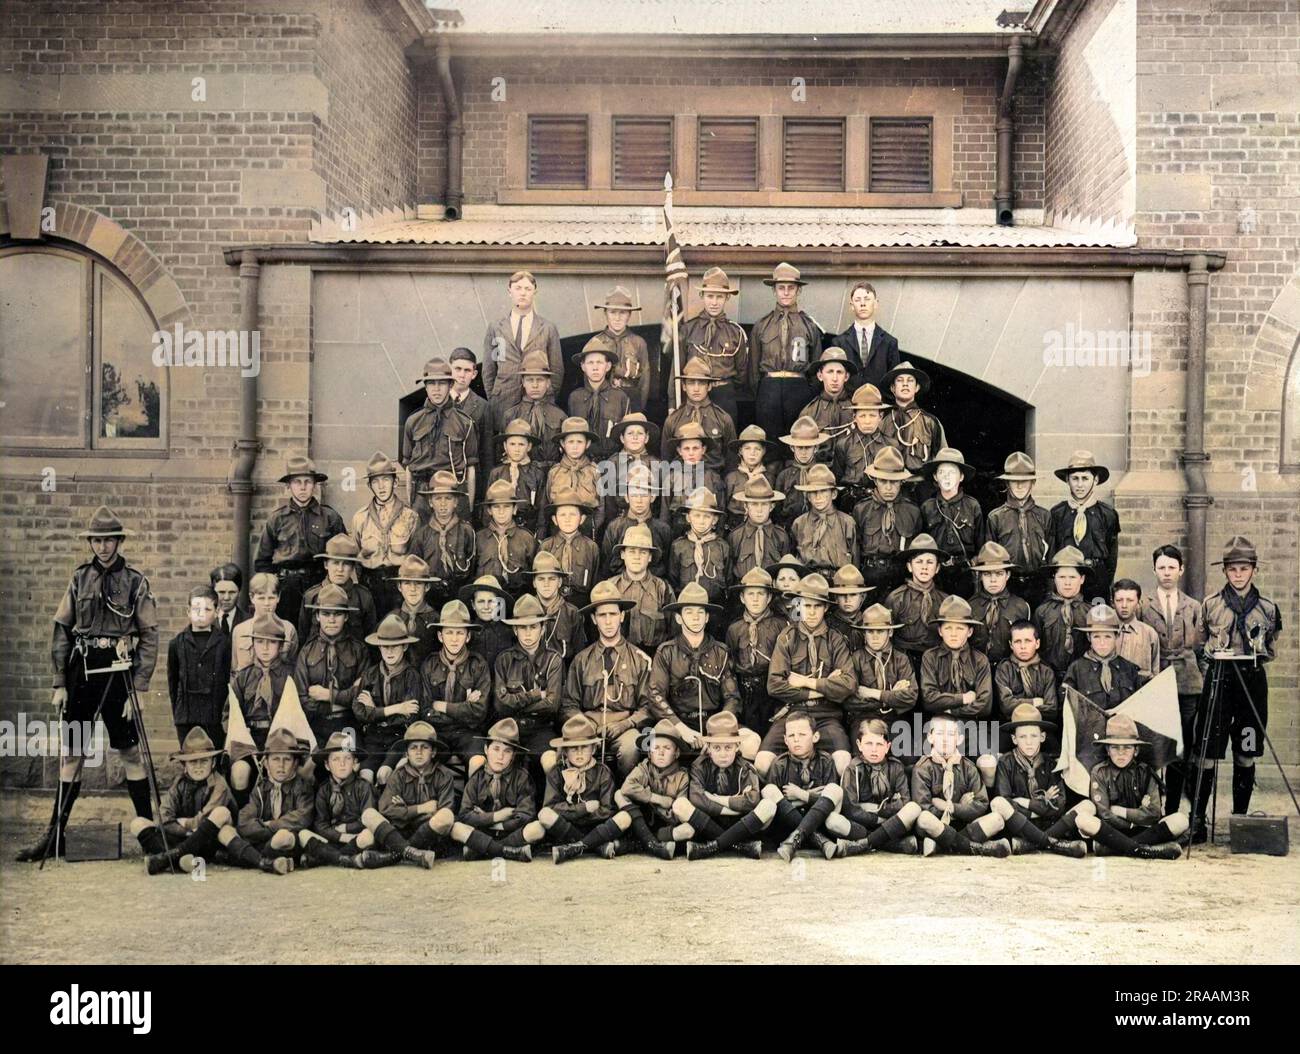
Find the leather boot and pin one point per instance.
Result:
(423, 857)
(569, 851)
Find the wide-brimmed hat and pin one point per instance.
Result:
(437, 369)
(1069, 557)
(570, 497)
(790, 561)
(948, 455)
(105, 524)
(545, 563)
(637, 418)
(572, 426)
(722, 727)
(847, 581)
(578, 731)
(715, 280)
(597, 345)
(331, 598)
(877, 617)
(341, 547)
(1083, 461)
(390, 633)
(1019, 466)
(805, 432)
(697, 369)
(701, 499)
(754, 578)
(888, 464)
(482, 584)
(665, 729)
(505, 731)
(757, 489)
(692, 430)
(813, 587)
(420, 732)
(380, 464)
(756, 434)
(692, 595)
(992, 557)
(282, 741)
(267, 627)
(955, 609)
(619, 299)
(413, 569)
(868, 397)
(518, 429)
(641, 479)
(528, 612)
(827, 356)
(196, 746)
(535, 364)
(638, 536)
(922, 378)
(607, 592)
(442, 482)
(922, 543)
(455, 615)
(1121, 731)
(784, 272)
(819, 477)
(500, 492)
(337, 743)
(1239, 550)
(1027, 714)
(301, 466)
(1102, 618)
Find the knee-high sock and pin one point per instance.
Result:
(563, 831)
(1243, 786)
(707, 829)
(243, 853)
(151, 841)
(515, 838)
(640, 829)
(322, 852)
(890, 830)
(1175, 775)
(199, 842)
(861, 822)
(746, 829)
(955, 841)
(1113, 838)
(815, 817)
(1019, 825)
(425, 837)
(140, 797)
(390, 837)
(486, 846)
(1157, 834)
(788, 818)
(1063, 828)
(1201, 810)
(599, 835)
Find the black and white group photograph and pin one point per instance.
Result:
(606, 483)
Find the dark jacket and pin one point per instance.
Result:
(1100, 542)
(572, 806)
(406, 788)
(244, 685)
(927, 784)
(198, 676)
(1023, 683)
(527, 687)
(738, 782)
(341, 804)
(884, 785)
(85, 611)
(1136, 788)
(313, 668)
(463, 714)
(295, 534)
(259, 819)
(946, 675)
(1012, 781)
(869, 367)
(484, 795)
(691, 684)
(1084, 675)
(815, 773)
(406, 684)
(996, 644)
(186, 800)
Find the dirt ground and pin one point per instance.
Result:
(1217, 908)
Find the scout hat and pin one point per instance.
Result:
(756, 434)
(701, 499)
(535, 364)
(1027, 714)
(482, 584)
(435, 370)
(1102, 618)
(955, 609)
(813, 587)
(640, 480)
(105, 524)
(573, 426)
(992, 557)
(597, 345)
(638, 537)
(665, 729)
(758, 489)
(692, 595)
(619, 299)
(638, 418)
(1083, 461)
(697, 369)
(1239, 550)
(789, 560)
(337, 743)
(948, 455)
(391, 632)
(831, 355)
(1018, 465)
(341, 547)
(878, 617)
(1121, 731)
(693, 430)
(570, 497)
(715, 280)
(331, 598)
(545, 563)
(442, 483)
(301, 466)
(505, 731)
(380, 464)
(500, 492)
(922, 378)
(528, 612)
(867, 397)
(420, 732)
(196, 747)
(922, 543)
(805, 432)
(266, 627)
(577, 731)
(282, 741)
(413, 569)
(1069, 557)
(784, 272)
(820, 477)
(607, 592)
(455, 615)
(848, 581)
(722, 727)
(754, 578)
(888, 464)
(518, 428)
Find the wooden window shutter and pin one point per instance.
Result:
(813, 154)
(900, 155)
(557, 151)
(643, 151)
(728, 153)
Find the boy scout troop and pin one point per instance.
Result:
(530, 635)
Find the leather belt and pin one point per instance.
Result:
(784, 374)
(99, 642)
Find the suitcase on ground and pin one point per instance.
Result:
(1258, 833)
(93, 841)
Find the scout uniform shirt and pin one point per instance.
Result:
(647, 625)
(450, 549)
(914, 607)
(1099, 543)
(288, 806)
(1135, 788)
(566, 632)
(487, 793)
(1140, 644)
(793, 475)
(503, 357)
(957, 526)
(884, 529)
(915, 432)
(528, 483)
(705, 559)
(102, 603)
(1022, 529)
(784, 341)
(851, 456)
(579, 477)
(527, 687)
(738, 782)
(187, 799)
(359, 623)
(721, 343)
(569, 789)
(691, 684)
(578, 555)
(479, 411)
(505, 555)
(611, 557)
(387, 687)
(609, 685)
(545, 420)
(450, 681)
(884, 785)
(1023, 682)
(383, 532)
(602, 408)
(756, 545)
(816, 770)
(834, 413)
(996, 614)
(946, 675)
(340, 803)
(1176, 618)
(692, 477)
(846, 628)
(717, 425)
(258, 690)
(821, 654)
(1020, 777)
(491, 638)
(646, 781)
(198, 675)
(1107, 682)
(825, 539)
(408, 788)
(1224, 631)
(419, 623)
(950, 781)
(335, 663)
(751, 642)
(241, 643)
(437, 438)
(1060, 625)
(883, 671)
(295, 535)
(632, 374)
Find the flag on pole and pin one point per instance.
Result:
(675, 279)
(239, 740)
(290, 715)
(1083, 722)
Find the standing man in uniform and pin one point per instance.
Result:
(721, 343)
(786, 340)
(509, 339)
(439, 437)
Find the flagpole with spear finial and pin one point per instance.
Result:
(675, 278)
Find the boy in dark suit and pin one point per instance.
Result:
(872, 349)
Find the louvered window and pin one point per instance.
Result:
(643, 151)
(900, 155)
(728, 153)
(813, 154)
(557, 152)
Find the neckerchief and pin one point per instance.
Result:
(277, 798)
(387, 676)
(1126, 784)
(887, 514)
(331, 658)
(409, 617)
(1067, 616)
(1029, 529)
(879, 777)
(1030, 767)
(570, 474)
(533, 409)
(442, 531)
(751, 636)
(699, 541)
(512, 470)
(1080, 513)
(1107, 680)
(927, 598)
(1240, 606)
(452, 665)
(336, 798)
(993, 612)
(878, 664)
(503, 548)
(1023, 668)
(957, 667)
(950, 511)
(949, 787)
(914, 432)
(821, 525)
(810, 637)
(264, 694)
(760, 544)
(575, 779)
(566, 551)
